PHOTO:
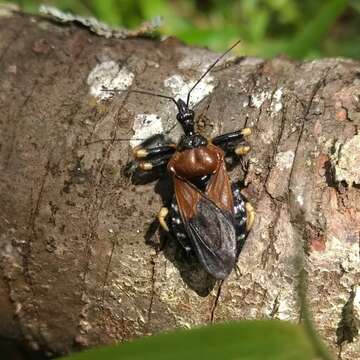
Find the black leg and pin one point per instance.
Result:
(154, 153)
(152, 164)
(244, 216)
(228, 141)
(151, 158)
(151, 152)
(177, 227)
(155, 141)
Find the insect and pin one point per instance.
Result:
(208, 215)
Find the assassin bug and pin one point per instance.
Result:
(208, 214)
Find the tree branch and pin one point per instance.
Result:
(79, 254)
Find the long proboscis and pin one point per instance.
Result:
(209, 69)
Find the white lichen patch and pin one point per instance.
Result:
(276, 104)
(258, 99)
(281, 306)
(267, 137)
(194, 61)
(284, 160)
(285, 310)
(298, 194)
(145, 125)
(346, 161)
(300, 199)
(108, 76)
(180, 88)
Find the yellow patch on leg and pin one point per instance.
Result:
(246, 131)
(161, 216)
(250, 216)
(242, 150)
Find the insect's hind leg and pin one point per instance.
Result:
(177, 227)
(250, 216)
(244, 216)
(161, 217)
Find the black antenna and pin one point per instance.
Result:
(111, 139)
(139, 92)
(144, 92)
(208, 70)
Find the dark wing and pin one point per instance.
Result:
(210, 229)
(213, 236)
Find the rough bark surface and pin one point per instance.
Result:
(79, 255)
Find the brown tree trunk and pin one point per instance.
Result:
(79, 255)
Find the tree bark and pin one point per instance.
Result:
(80, 258)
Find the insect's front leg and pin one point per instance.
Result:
(153, 157)
(147, 170)
(150, 158)
(228, 141)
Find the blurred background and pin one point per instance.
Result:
(298, 28)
